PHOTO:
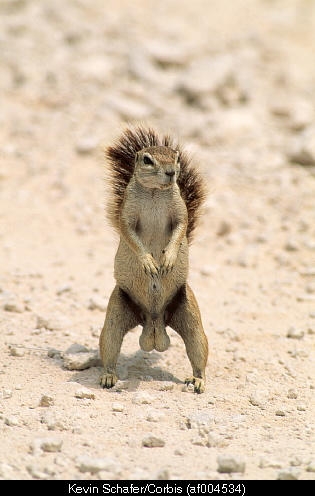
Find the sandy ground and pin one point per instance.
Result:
(234, 82)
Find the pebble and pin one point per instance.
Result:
(49, 445)
(142, 398)
(228, 464)
(12, 421)
(292, 394)
(310, 288)
(14, 306)
(259, 398)
(280, 413)
(311, 466)
(53, 353)
(84, 393)
(46, 401)
(303, 149)
(155, 415)
(98, 303)
(65, 288)
(305, 297)
(81, 361)
(54, 322)
(163, 474)
(53, 422)
(153, 442)
(288, 474)
(38, 473)
(86, 463)
(311, 330)
(117, 407)
(76, 348)
(166, 386)
(16, 351)
(295, 333)
(301, 407)
(86, 145)
(269, 463)
(6, 394)
(291, 245)
(200, 420)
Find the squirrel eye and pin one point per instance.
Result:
(147, 160)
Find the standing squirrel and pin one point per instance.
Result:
(154, 204)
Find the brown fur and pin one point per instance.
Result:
(121, 158)
(156, 194)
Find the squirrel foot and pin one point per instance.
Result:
(108, 380)
(199, 384)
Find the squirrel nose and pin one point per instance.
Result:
(170, 173)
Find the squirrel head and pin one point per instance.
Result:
(157, 167)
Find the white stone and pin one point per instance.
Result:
(98, 303)
(142, 398)
(86, 463)
(117, 407)
(288, 474)
(82, 360)
(83, 393)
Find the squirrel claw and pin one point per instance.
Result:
(108, 380)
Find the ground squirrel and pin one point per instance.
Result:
(154, 204)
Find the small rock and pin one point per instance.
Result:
(291, 245)
(142, 398)
(303, 150)
(86, 145)
(228, 464)
(53, 353)
(310, 288)
(6, 394)
(224, 228)
(311, 466)
(46, 401)
(292, 394)
(53, 323)
(81, 361)
(14, 306)
(153, 442)
(269, 463)
(179, 452)
(86, 463)
(311, 330)
(163, 475)
(306, 297)
(54, 422)
(50, 444)
(117, 407)
(155, 416)
(280, 413)
(12, 421)
(83, 393)
(295, 333)
(288, 474)
(37, 473)
(65, 288)
(200, 420)
(16, 352)
(259, 398)
(98, 303)
(301, 407)
(166, 386)
(76, 348)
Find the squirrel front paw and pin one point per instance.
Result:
(168, 261)
(149, 265)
